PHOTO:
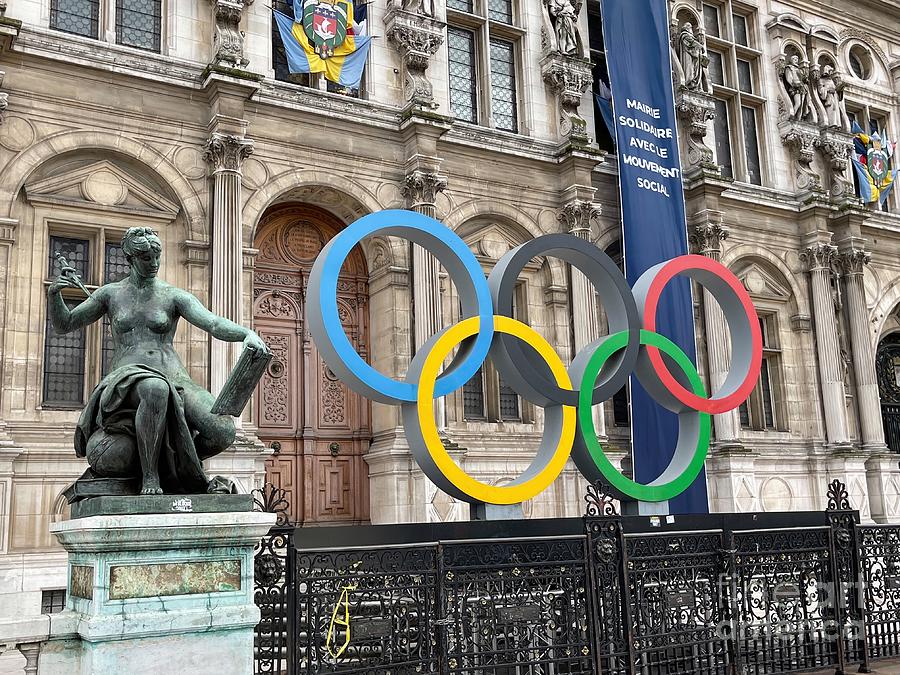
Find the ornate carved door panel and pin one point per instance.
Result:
(319, 428)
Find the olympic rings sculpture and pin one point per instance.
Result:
(531, 367)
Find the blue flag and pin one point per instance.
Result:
(636, 36)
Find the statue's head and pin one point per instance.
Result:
(688, 28)
(795, 60)
(143, 248)
(828, 70)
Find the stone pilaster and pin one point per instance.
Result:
(836, 147)
(818, 259)
(568, 77)
(707, 234)
(802, 140)
(853, 262)
(695, 109)
(228, 39)
(4, 98)
(417, 37)
(225, 154)
(576, 217)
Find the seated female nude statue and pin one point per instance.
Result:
(147, 419)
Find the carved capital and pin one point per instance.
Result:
(706, 238)
(578, 215)
(417, 37)
(854, 261)
(224, 152)
(228, 39)
(819, 256)
(568, 78)
(802, 140)
(422, 187)
(695, 109)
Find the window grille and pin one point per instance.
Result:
(80, 17)
(139, 23)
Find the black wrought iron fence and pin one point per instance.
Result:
(723, 594)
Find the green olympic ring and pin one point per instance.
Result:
(686, 463)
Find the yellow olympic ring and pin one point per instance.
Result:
(525, 486)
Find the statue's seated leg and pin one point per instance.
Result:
(113, 455)
(215, 433)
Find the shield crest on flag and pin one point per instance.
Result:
(325, 25)
(877, 160)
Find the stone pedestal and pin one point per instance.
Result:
(168, 592)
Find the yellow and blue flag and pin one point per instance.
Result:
(872, 157)
(344, 66)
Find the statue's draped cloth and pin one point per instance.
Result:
(110, 408)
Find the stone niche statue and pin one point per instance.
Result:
(422, 7)
(830, 90)
(147, 424)
(564, 16)
(795, 79)
(692, 59)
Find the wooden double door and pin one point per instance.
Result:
(319, 429)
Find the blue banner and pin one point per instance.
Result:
(636, 36)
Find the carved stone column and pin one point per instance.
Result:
(577, 217)
(421, 189)
(695, 109)
(853, 262)
(707, 234)
(802, 140)
(225, 154)
(836, 147)
(228, 39)
(417, 38)
(4, 98)
(818, 259)
(568, 77)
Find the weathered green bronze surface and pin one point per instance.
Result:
(114, 506)
(147, 426)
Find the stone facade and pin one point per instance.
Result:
(201, 142)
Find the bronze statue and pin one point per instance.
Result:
(147, 421)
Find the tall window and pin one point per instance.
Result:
(871, 120)
(76, 361)
(81, 17)
(138, 22)
(734, 71)
(761, 410)
(482, 49)
(600, 85)
(486, 397)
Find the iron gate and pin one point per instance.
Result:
(728, 594)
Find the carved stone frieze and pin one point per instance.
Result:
(225, 152)
(422, 188)
(836, 147)
(417, 37)
(578, 215)
(802, 140)
(228, 37)
(854, 261)
(568, 78)
(819, 256)
(695, 109)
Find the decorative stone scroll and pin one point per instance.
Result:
(417, 37)
(568, 78)
(802, 140)
(836, 146)
(4, 97)
(228, 37)
(695, 109)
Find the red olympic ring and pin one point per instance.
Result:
(714, 404)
